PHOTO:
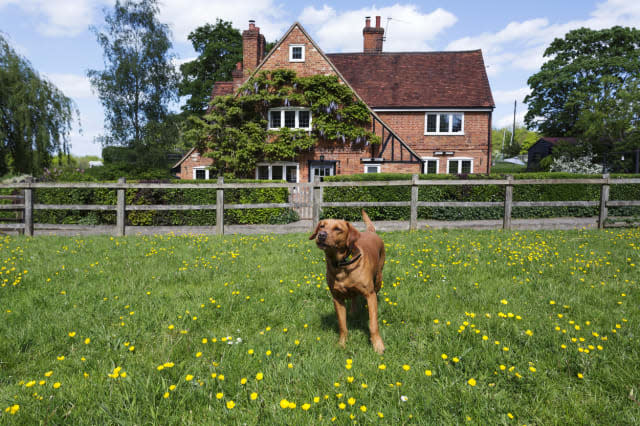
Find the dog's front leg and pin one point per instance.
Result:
(341, 313)
(376, 340)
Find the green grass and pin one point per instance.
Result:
(504, 167)
(552, 305)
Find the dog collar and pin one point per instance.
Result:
(348, 262)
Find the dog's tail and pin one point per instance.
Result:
(368, 222)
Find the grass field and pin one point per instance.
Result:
(480, 328)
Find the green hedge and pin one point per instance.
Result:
(164, 197)
(559, 192)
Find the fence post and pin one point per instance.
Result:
(121, 214)
(220, 208)
(604, 198)
(28, 210)
(317, 200)
(508, 200)
(413, 220)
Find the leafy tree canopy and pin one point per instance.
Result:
(139, 79)
(235, 133)
(219, 48)
(589, 87)
(35, 116)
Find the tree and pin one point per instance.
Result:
(589, 87)
(219, 48)
(139, 80)
(35, 116)
(522, 141)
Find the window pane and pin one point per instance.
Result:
(431, 123)
(200, 174)
(432, 167)
(372, 169)
(456, 125)
(292, 175)
(290, 119)
(444, 123)
(303, 119)
(453, 167)
(296, 52)
(276, 172)
(466, 166)
(275, 119)
(263, 172)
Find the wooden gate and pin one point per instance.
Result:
(301, 195)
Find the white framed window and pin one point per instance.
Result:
(200, 172)
(296, 53)
(431, 165)
(292, 117)
(372, 168)
(444, 123)
(289, 172)
(458, 165)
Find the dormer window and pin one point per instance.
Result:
(293, 118)
(296, 53)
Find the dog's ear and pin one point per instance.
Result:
(315, 231)
(353, 236)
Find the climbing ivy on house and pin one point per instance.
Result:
(235, 131)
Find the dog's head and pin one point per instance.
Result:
(335, 234)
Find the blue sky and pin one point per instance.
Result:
(54, 36)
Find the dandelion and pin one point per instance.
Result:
(342, 406)
(351, 401)
(471, 382)
(48, 374)
(219, 395)
(253, 396)
(382, 367)
(259, 376)
(72, 334)
(363, 408)
(580, 376)
(198, 354)
(284, 403)
(56, 385)
(87, 341)
(188, 378)
(406, 367)
(428, 373)
(243, 381)
(230, 404)
(305, 407)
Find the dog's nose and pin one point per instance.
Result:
(322, 236)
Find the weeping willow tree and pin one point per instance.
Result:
(35, 116)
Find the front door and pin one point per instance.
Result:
(321, 169)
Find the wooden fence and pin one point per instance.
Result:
(316, 204)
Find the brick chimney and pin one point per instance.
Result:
(253, 48)
(373, 36)
(238, 76)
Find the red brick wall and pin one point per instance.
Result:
(474, 143)
(313, 64)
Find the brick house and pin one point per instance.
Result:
(431, 109)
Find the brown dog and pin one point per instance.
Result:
(354, 267)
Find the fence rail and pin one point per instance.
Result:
(24, 203)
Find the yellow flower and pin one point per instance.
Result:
(56, 385)
(580, 376)
(382, 367)
(253, 396)
(428, 373)
(406, 367)
(444, 356)
(166, 395)
(61, 358)
(471, 382)
(72, 334)
(219, 395)
(351, 401)
(250, 351)
(305, 407)
(230, 404)
(243, 381)
(259, 376)
(350, 379)
(284, 403)
(189, 377)
(198, 354)
(342, 406)
(48, 374)
(380, 414)
(87, 341)
(363, 408)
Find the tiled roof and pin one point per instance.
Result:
(417, 79)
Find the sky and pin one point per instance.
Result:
(54, 36)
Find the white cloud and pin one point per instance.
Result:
(508, 96)
(72, 85)
(57, 18)
(521, 45)
(184, 17)
(406, 30)
(507, 120)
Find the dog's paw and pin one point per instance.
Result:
(378, 346)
